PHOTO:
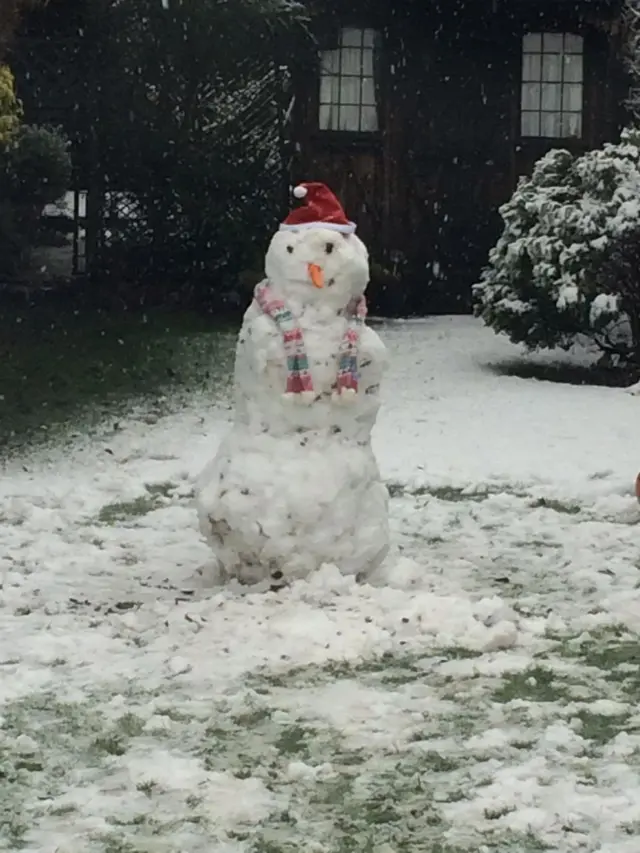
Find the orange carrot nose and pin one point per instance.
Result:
(316, 275)
(638, 487)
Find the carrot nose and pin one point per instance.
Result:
(316, 275)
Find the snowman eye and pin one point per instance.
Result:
(290, 249)
(328, 248)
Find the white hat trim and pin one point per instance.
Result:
(329, 226)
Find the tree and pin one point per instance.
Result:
(566, 263)
(188, 120)
(10, 11)
(35, 169)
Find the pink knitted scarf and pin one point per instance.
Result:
(299, 379)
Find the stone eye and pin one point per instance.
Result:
(290, 249)
(328, 248)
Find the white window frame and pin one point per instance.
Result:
(552, 86)
(347, 100)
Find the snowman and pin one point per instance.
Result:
(295, 483)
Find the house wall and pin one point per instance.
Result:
(426, 189)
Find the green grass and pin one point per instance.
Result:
(57, 365)
(535, 684)
(125, 511)
(349, 796)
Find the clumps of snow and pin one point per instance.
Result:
(607, 304)
(568, 294)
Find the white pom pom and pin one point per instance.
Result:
(345, 396)
(300, 398)
(299, 191)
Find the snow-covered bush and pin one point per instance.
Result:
(566, 264)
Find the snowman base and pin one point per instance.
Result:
(275, 510)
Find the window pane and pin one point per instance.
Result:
(349, 118)
(530, 96)
(573, 44)
(330, 62)
(352, 37)
(552, 42)
(369, 119)
(327, 117)
(573, 68)
(350, 90)
(329, 90)
(368, 38)
(531, 68)
(572, 97)
(367, 63)
(572, 124)
(351, 61)
(552, 67)
(530, 124)
(368, 91)
(532, 43)
(551, 93)
(550, 124)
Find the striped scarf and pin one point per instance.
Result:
(299, 379)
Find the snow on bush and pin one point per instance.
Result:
(568, 263)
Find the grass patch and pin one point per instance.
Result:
(614, 653)
(599, 729)
(156, 495)
(436, 762)
(556, 506)
(61, 364)
(122, 511)
(390, 669)
(295, 740)
(535, 684)
(513, 842)
(451, 494)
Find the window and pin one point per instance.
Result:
(552, 84)
(347, 87)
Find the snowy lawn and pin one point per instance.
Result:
(482, 695)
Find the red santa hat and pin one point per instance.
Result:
(321, 209)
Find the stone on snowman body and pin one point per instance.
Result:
(295, 482)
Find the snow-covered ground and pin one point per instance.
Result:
(480, 696)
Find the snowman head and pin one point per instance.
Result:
(315, 257)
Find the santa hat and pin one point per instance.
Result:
(321, 209)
